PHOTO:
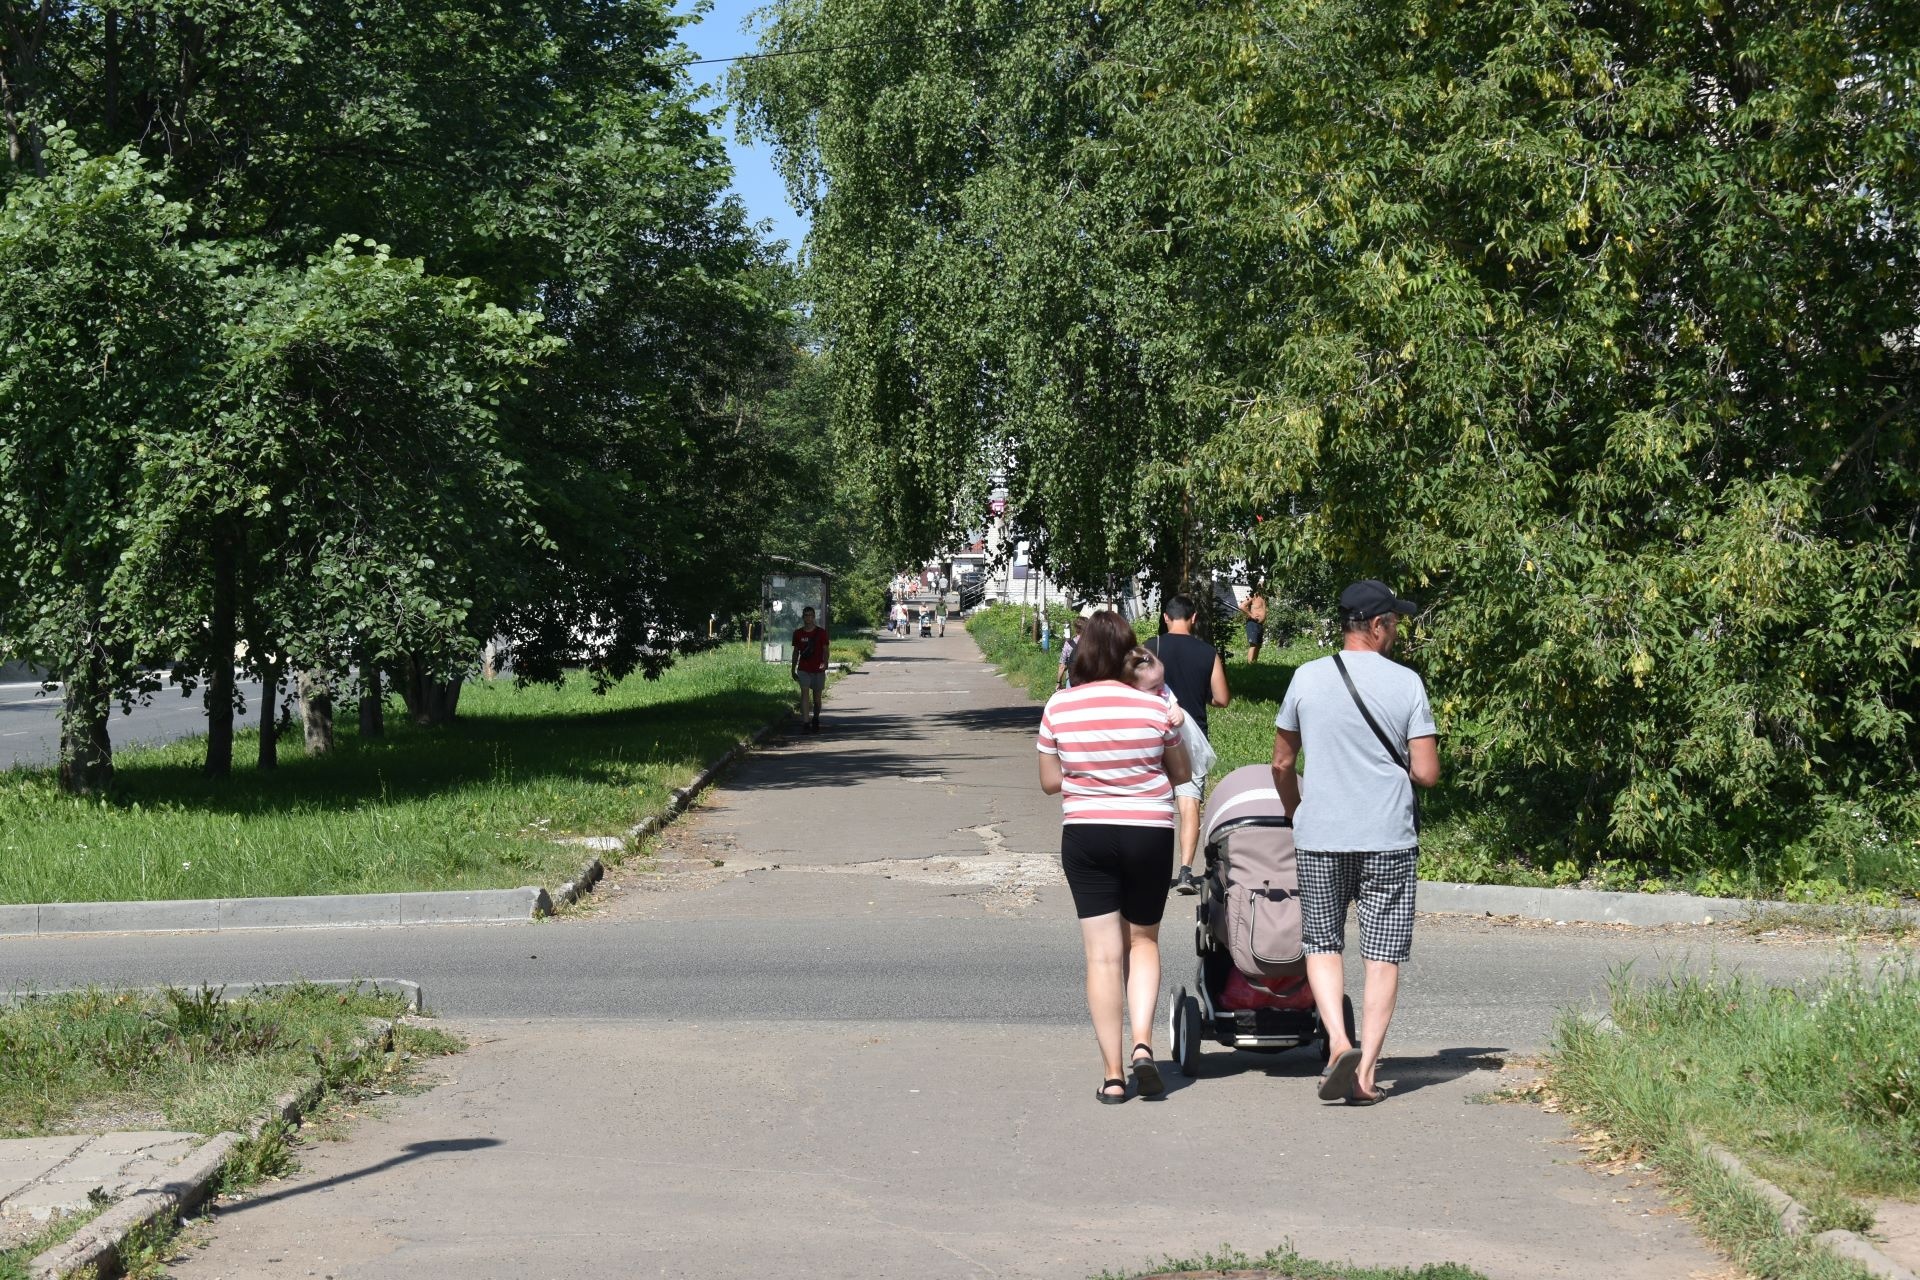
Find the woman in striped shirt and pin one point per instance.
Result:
(1113, 754)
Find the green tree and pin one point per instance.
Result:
(102, 312)
(1592, 324)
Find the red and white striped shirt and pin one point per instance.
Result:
(1110, 738)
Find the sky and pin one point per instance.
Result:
(719, 35)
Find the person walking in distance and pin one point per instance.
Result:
(1255, 611)
(1113, 754)
(810, 667)
(1199, 680)
(1063, 678)
(1369, 738)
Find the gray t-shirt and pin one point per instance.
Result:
(1352, 795)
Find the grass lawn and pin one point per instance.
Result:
(476, 805)
(1818, 1092)
(98, 1060)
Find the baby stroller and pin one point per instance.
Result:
(926, 622)
(1250, 991)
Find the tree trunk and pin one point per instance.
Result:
(86, 707)
(373, 699)
(429, 701)
(110, 75)
(316, 710)
(270, 715)
(221, 640)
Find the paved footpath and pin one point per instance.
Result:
(837, 1030)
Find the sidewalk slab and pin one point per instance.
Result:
(45, 1178)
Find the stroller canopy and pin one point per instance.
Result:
(1247, 792)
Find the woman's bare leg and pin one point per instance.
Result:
(1104, 938)
(1143, 980)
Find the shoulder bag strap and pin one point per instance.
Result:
(1393, 752)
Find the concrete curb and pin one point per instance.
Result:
(1589, 906)
(324, 911)
(1794, 1220)
(594, 871)
(94, 1250)
(416, 1001)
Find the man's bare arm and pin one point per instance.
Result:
(1423, 760)
(1286, 777)
(1220, 696)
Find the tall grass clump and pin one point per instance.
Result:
(1817, 1090)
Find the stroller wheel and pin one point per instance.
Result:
(1186, 1034)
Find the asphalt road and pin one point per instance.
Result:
(1469, 985)
(30, 721)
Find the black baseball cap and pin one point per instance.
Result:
(1374, 599)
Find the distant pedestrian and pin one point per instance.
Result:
(1114, 754)
(1367, 731)
(809, 667)
(1199, 680)
(1255, 612)
(1063, 678)
(901, 625)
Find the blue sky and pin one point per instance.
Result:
(719, 35)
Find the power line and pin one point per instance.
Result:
(926, 38)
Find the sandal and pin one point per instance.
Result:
(1379, 1095)
(1112, 1099)
(1146, 1073)
(1337, 1083)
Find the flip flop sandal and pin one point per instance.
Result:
(1380, 1092)
(1111, 1099)
(1337, 1083)
(1146, 1073)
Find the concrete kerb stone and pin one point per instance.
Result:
(594, 871)
(1588, 906)
(94, 1250)
(1794, 1220)
(416, 999)
(676, 803)
(320, 911)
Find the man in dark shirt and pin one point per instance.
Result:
(1199, 680)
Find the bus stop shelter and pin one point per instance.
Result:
(789, 587)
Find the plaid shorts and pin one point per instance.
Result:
(1382, 882)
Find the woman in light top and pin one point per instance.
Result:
(1113, 754)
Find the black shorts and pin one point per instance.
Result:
(1253, 632)
(1118, 868)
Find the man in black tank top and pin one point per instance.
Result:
(1199, 680)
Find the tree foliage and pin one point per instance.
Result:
(1593, 324)
(472, 323)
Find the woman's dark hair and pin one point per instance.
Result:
(1102, 653)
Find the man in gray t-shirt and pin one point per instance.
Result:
(1356, 828)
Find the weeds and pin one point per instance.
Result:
(188, 1060)
(1285, 1264)
(1816, 1091)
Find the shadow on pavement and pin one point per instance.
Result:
(1410, 1075)
(411, 1152)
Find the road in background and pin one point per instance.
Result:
(30, 721)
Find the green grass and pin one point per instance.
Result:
(94, 1060)
(1285, 1262)
(476, 805)
(1819, 1092)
